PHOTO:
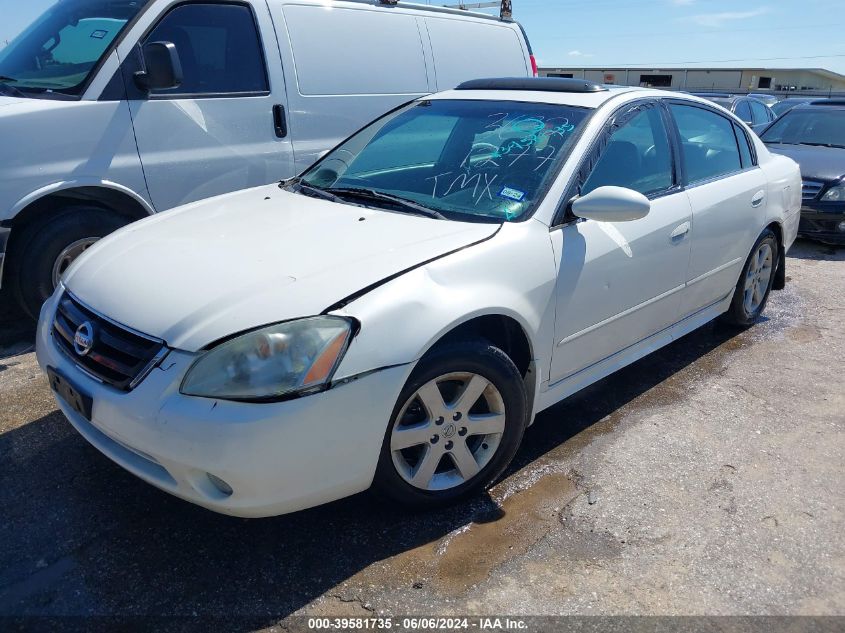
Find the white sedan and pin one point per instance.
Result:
(396, 316)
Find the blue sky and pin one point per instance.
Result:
(765, 33)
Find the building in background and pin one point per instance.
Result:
(809, 80)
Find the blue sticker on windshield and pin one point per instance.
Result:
(512, 194)
(98, 35)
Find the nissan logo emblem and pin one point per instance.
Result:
(83, 340)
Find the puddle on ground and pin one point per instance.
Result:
(466, 556)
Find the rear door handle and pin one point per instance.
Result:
(279, 121)
(680, 231)
(758, 198)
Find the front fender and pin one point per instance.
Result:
(512, 274)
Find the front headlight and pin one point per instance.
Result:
(835, 194)
(279, 360)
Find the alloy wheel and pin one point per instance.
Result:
(757, 278)
(448, 431)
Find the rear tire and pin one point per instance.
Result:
(755, 283)
(47, 247)
(461, 433)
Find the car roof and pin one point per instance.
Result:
(508, 90)
(826, 104)
(552, 90)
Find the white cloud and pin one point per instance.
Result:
(579, 54)
(682, 3)
(716, 20)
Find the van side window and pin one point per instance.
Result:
(637, 157)
(744, 148)
(708, 143)
(218, 47)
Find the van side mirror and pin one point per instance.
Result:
(612, 204)
(163, 68)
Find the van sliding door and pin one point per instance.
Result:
(346, 65)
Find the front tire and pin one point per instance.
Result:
(456, 426)
(48, 247)
(755, 283)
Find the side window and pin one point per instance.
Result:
(637, 156)
(743, 111)
(708, 142)
(760, 112)
(744, 148)
(218, 47)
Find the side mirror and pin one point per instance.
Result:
(612, 204)
(163, 68)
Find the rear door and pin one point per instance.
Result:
(727, 192)
(223, 129)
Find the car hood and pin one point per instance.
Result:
(7, 101)
(817, 163)
(207, 270)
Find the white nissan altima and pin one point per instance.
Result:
(396, 316)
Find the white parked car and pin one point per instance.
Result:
(112, 110)
(399, 314)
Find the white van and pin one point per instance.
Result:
(111, 110)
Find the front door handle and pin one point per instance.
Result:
(279, 121)
(680, 231)
(758, 198)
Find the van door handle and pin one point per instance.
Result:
(758, 198)
(680, 231)
(279, 121)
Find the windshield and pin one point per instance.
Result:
(57, 51)
(463, 159)
(809, 126)
(782, 106)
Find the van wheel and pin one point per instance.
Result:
(755, 282)
(456, 426)
(48, 247)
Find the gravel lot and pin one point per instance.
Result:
(707, 478)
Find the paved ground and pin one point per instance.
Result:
(705, 479)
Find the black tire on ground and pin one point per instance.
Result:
(42, 242)
(737, 315)
(478, 357)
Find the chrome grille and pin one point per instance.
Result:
(810, 189)
(118, 356)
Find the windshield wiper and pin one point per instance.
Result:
(9, 90)
(824, 145)
(408, 205)
(315, 192)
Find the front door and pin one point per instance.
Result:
(220, 130)
(620, 282)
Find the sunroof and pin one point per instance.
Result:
(541, 84)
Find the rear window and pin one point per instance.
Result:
(352, 51)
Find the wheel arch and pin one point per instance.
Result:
(107, 195)
(41, 204)
(780, 273)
